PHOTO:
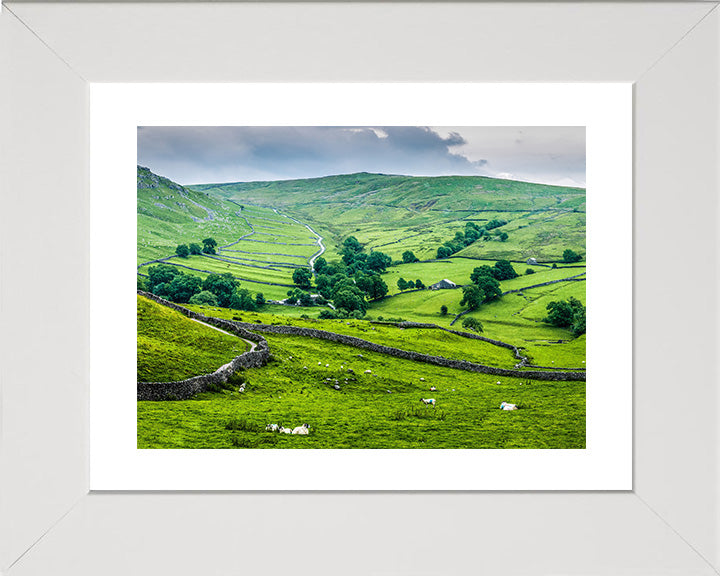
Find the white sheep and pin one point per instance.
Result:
(428, 401)
(368, 371)
(422, 379)
(432, 389)
(284, 430)
(272, 428)
(327, 365)
(303, 430)
(507, 406)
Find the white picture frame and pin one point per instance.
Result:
(668, 523)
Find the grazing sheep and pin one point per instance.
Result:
(498, 382)
(368, 371)
(428, 401)
(303, 430)
(319, 363)
(422, 379)
(241, 389)
(272, 428)
(284, 430)
(327, 365)
(432, 389)
(337, 387)
(506, 406)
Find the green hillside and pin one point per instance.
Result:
(172, 347)
(397, 213)
(169, 214)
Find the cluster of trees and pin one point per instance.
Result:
(502, 270)
(485, 285)
(408, 257)
(208, 247)
(349, 283)
(357, 260)
(570, 256)
(216, 290)
(568, 313)
(403, 284)
(472, 233)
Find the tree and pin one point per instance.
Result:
(570, 256)
(529, 271)
(183, 287)
(472, 297)
(484, 270)
(554, 266)
(443, 310)
(578, 326)
(349, 300)
(260, 299)
(209, 245)
(564, 313)
(195, 249)
(489, 287)
(408, 257)
(473, 324)
(205, 298)
(402, 284)
(222, 285)
(242, 300)
(444, 252)
(503, 270)
(301, 277)
(378, 261)
(378, 288)
(410, 285)
(503, 236)
(182, 250)
(306, 300)
(320, 264)
(419, 284)
(351, 248)
(161, 274)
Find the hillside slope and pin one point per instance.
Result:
(170, 214)
(398, 213)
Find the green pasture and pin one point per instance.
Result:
(172, 347)
(426, 341)
(377, 410)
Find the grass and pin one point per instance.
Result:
(172, 347)
(363, 414)
(426, 341)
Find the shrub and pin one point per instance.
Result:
(205, 298)
(473, 324)
(443, 310)
(529, 271)
(570, 256)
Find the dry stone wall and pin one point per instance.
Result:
(184, 389)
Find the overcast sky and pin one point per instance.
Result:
(198, 155)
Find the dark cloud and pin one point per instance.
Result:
(225, 154)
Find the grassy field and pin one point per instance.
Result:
(381, 409)
(427, 341)
(172, 347)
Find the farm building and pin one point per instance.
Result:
(532, 261)
(443, 284)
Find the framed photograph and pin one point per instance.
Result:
(368, 391)
(116, 172)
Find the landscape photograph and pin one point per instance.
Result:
(396, 287)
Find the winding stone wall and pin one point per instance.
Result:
(408, 354)
(184, 389)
